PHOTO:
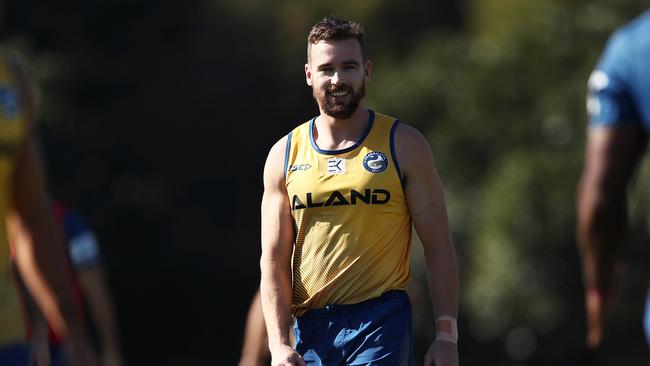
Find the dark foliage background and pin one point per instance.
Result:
(155, 118)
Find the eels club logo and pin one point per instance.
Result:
(375, 162)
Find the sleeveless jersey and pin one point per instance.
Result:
(352, 224)
(12, 130)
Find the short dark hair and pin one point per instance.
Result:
(335, 29)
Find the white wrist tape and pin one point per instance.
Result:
(447, 336)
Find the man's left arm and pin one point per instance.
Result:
(425, 199)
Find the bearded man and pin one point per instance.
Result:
(341, 194)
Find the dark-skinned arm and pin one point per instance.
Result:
(612, 155)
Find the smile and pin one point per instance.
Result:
(341, 93)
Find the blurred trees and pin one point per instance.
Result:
(147, 113)
(503, 106)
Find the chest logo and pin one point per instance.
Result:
(299, 167)
(375, 162)
(335, 166)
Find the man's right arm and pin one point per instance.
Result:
(610, 160)
(275, 263)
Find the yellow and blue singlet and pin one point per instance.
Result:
(352, 224)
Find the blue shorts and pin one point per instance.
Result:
(373, 332)
(14, 354)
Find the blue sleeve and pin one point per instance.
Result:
(82, 243)
(609, 101)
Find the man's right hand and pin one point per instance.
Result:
(286, 356)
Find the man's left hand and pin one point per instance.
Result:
(441, 353)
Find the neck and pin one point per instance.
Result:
(335, 134)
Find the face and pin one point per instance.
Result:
(337, 74)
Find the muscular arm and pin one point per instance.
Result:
(611, 157)
(275, 263)
(426, 203)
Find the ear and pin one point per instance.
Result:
(308, 74)
(367, 70)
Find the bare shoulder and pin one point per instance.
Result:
(278, 151)
(411, 146)
(410, 138)
(274, 167)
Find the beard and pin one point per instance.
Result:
(339, 111)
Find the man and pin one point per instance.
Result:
(28, 224)
(341, 193)
(619, 108)
(89, 284)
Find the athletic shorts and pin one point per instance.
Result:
(14, 354)
(373, 332)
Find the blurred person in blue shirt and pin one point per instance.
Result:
(619, 108)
